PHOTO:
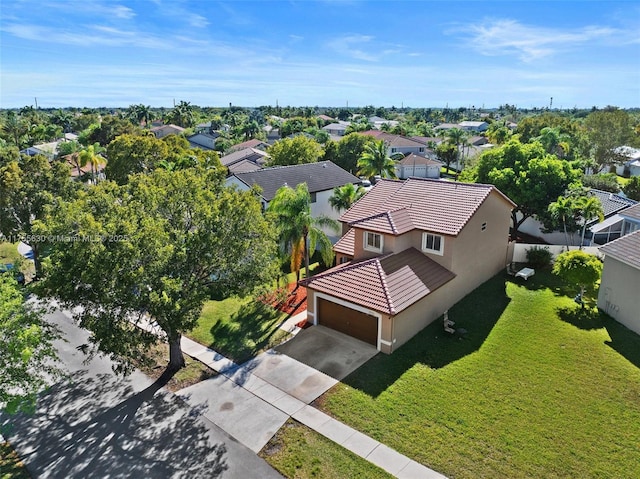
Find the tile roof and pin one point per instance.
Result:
(320, 176)
(394, 222)
(611, 203)
(243, 166)
(632, 212)
(253, 154)
(394, 141)
(388, 284)
(346, 244)
(413, 159)
(434, 205)
(625, 249)
(248, 144)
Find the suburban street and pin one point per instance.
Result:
(95, 424)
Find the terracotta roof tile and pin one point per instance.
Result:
(392, 222)
(346, 244)
(625, 249)
(434, 205)
(388, 284)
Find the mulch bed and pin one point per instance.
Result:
(288, 300)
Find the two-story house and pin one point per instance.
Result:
(411, 249)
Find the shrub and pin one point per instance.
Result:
(603, 181)
(539, 257)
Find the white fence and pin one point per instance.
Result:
(520, 250)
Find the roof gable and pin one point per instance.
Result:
(434, 205)
(393, 222)
(632, 212)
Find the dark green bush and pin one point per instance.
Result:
(539, 257)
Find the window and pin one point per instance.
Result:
(313, 197)
(484, 226)
(421, 149)
(433, 243)
(372, 241)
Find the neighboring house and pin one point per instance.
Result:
(321, 178)
(446, 126)
(47, 149)
(418, 166)
(476, 126)
(166, 130)
(623, 221)
(336, 129)
(619, 294)
(378, 123)
(631, 161)
(400, 144)
(254, 143)
(325, 118)
(612, 204)
(239, 161)
(273, 134)
(203, 140)
(412, 250)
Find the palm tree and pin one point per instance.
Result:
(457, 137)
(91, 156)
(345, 196)
(590, 208)
(300, 233)
(561, 210)
(375, 161)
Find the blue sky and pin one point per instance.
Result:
(326, 53)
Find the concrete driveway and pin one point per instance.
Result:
(335, 354)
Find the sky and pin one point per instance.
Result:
(114, 53)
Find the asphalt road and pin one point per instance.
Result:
(95, 424)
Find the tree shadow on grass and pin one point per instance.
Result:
(252, 329)
(477, 313)
(623, 340)
(101, 427)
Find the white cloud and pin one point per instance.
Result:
(529, 43)
(198, 21)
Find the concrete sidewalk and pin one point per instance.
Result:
(252, 401)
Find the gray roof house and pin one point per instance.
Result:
(321, 178)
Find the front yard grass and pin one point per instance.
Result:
(239, 328)
(301, 453)
(8, 253)
(538, 388)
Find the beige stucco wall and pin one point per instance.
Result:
(419, 315)
(619, 294)
(479, 254)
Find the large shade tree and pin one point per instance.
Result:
(160, 246)
(28, 186)
(28, 360)
(300, 233)
(527, 174)
(295, 151)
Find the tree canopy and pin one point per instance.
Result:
(295, 151)
(527, 174)
(158, 245)
(27, 357)
(578, 268)
(375, 161)
(607, 130)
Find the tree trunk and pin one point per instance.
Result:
(306, 257)
(176, 358)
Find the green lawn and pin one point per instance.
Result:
(239, 328)
(298, 452)
(538, 388)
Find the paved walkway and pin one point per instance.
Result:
(252, 401)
